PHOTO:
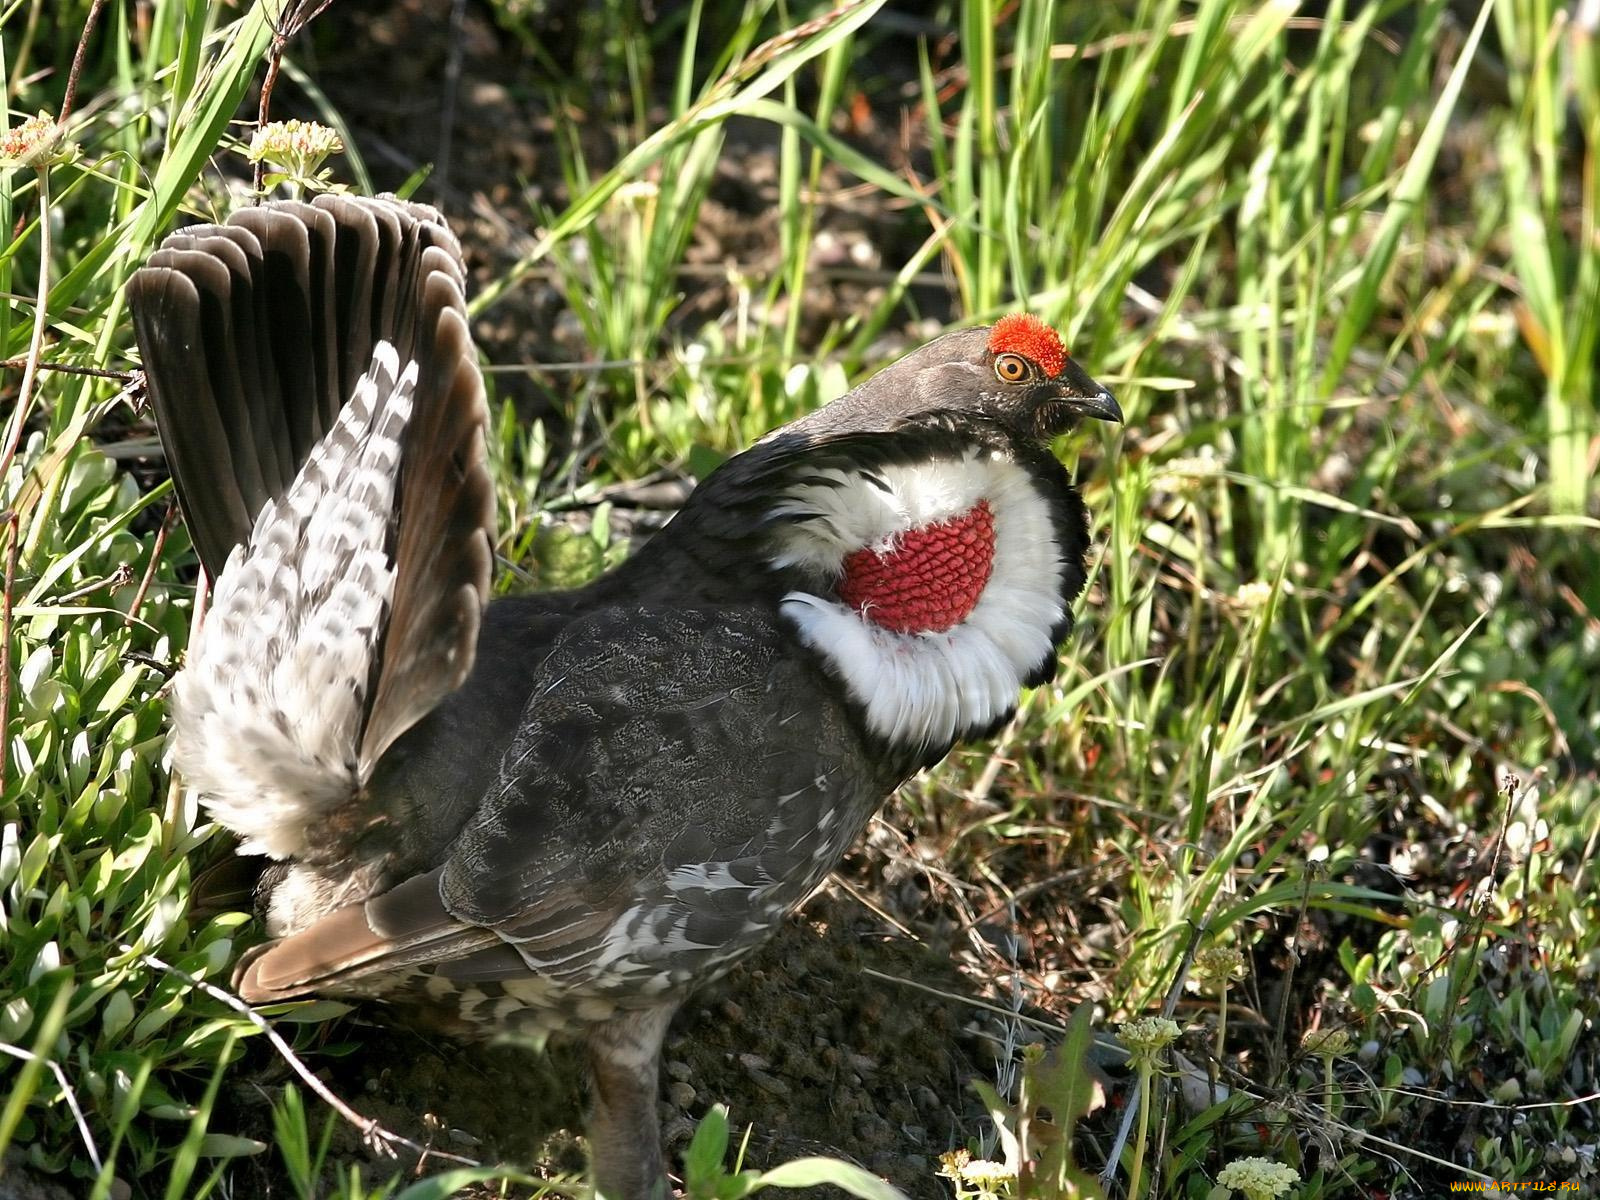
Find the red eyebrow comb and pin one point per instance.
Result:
(1027, 335)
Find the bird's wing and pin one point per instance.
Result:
(680, 781)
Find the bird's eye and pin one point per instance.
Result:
(1011, 368)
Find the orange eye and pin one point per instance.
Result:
(1011, 368)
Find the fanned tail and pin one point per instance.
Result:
(319, 401)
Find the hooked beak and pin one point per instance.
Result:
(1084, 397)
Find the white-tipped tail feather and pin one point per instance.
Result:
(270, 706)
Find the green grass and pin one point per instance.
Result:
(1343, 275)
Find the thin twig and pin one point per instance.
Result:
(1246, 1088)
(71, 97)
(121, 577)
(1494, 1105)
(36, 341)
(1367, 1135)
(978, 793)
(297, 14)
(14, 529)
(1168, 1007)
(274, 62)
(67, 1092)
(372, 1133)
(452, 91)
(849, 889)
(155, 558)
(18, 71)
(171, 814)
(1026, 892)
(1055, 1027)
(12, 364)
(162, 668)
(1277, 1062)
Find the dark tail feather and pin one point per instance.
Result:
(255, 335)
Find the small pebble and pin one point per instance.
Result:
(675, 1129)
(770, 1084)
(870, 1127)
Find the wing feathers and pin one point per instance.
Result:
(405, 927)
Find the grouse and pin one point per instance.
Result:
(564, 811)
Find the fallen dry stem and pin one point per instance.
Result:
(372, 1133)
(13, 536)
(67, 1093)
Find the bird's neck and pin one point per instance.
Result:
(931, 588)
(942, 586)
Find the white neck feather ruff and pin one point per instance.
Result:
(928, 688)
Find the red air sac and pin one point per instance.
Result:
(928, 579)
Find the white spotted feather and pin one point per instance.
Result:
(268, 710)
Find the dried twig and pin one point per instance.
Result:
(12, 364)
(372, 1133)
(978, 793)
(297, 14)
(1168, 1007)
(121, 577)
(14, 530)
(1009, 1014)
(71, 96)
(155, 559)
(66, 1091)
(866, 902)
(170, 814)
(452, 92)
(1299, 1114)
(30, 371)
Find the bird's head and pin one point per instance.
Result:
(1015, 373)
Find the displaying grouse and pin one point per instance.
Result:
(564, 811)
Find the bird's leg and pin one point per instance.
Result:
(624, 1129)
